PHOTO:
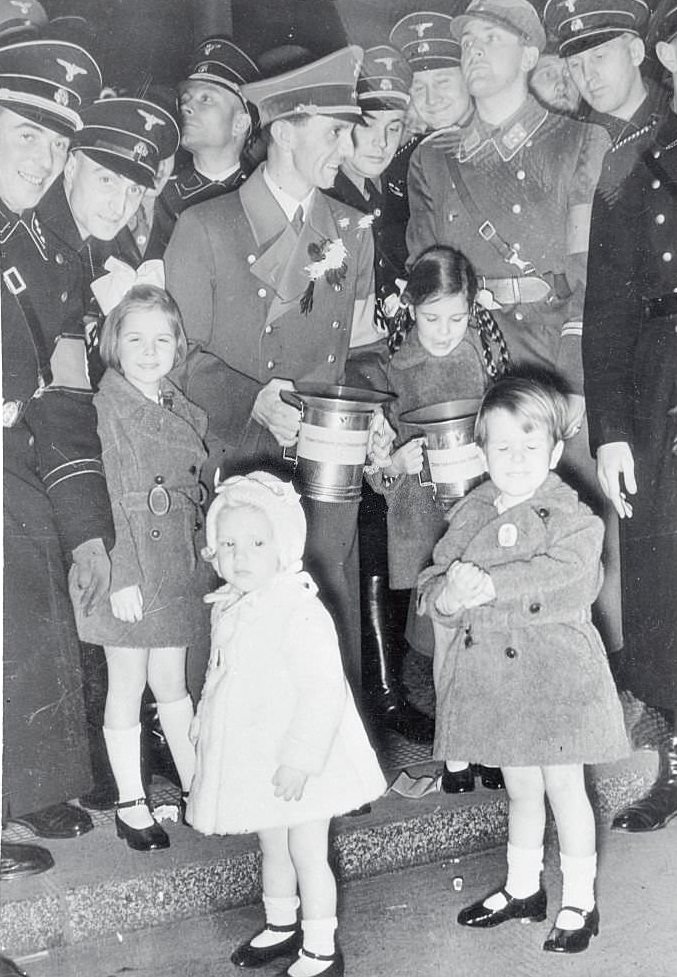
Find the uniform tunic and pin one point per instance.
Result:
(146, 447)
(237, 269)
(533, 180)
(630, 360)
(524, 679)
(275, 694)
(54, 500)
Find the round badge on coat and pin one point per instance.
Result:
(507, 534)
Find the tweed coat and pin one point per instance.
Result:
(415, 520)
(275, 693)
(630, 360)
(524, 679)
(147, 447)
(533, 179)
(54, 499)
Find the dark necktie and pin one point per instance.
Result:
(297, 219)
(371, 194)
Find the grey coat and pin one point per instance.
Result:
(524, 680)
(147, 446)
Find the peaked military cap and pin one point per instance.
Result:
(20, 17)
(385, 79)
(48, 82)
(126, 135)
(424, 38)
(517, 16)
(582, 24)
(324, 87)
(220, 62)
(663, 24)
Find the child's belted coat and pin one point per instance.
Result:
(524, 679)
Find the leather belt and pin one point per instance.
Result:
(517, 291)
(663, 305)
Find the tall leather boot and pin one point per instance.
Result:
(383, 649)
(659, 806)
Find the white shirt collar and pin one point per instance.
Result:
(288, 203)
(219, 177)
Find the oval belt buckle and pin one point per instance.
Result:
(159, 501)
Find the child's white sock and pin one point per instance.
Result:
(524, 875)
(318, 937)
(175, 719)
(578, 887)
(280, 911)
(124, 754)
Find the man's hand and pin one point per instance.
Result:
(127, 604)
(289, 783)
(576, 414)
(89, 576)
(282, 420)
(408, 459)
(613, 460)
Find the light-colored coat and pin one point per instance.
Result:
(524, 680)
(275, 693)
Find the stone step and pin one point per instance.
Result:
(100, 887)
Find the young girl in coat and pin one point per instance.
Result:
(280, 746)
(152, 445)
(451, 349)
(522, 678)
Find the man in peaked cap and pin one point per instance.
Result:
(630, 362)
(383, 95)
(56, 513)
(21, 20)
(215, 124)
(238, 269)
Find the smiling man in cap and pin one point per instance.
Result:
(56, 510)
(238, 268)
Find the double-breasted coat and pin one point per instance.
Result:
(524, 679)
(275, 694)
(152, 456)
(237, 269)
(630, 361)
(54, 500)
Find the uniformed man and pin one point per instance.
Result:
(553, 86)
(215, 123)
(56, 510)
(21, 21)
(383, 95)
(238, 268)
(630, 361)
(515, 194)
(112, 163)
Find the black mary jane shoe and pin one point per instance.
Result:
(574, 941)
(491, 777)
(152, 838)
(10, 969)
(336, 963)
(58, 821)
(532, 910)
(457, 781)
(247, 955)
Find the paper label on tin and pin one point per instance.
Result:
(317, 443)
(455, 464)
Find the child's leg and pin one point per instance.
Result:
(167, 679)
(280, 902)
(127, 672)
(565, 787)
(308, 847)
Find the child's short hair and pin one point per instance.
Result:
(538, 402)
(141, 298)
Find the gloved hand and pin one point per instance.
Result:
(89, 576)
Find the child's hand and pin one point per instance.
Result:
(408, 459)
(127, 604)
(472, 585)
(289, 783)
(381, 437)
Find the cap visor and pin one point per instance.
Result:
(135, 172)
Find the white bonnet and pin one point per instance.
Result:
(276, 498)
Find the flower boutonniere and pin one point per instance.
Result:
(328, 260)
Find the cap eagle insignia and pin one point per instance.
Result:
(71, 69)
(151, 120)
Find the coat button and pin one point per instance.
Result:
(159, 479)
(336, 324)
(519, 316)
(510, 653)
(64, 296)
(262, 293)
(468, 641)
(331, 358)
(516, 209)
(520, 174)
(58, 257)
(655, 184)
(268, 330)
(377, 211)
(381, 263)
(656, 153)
(660, 218)
(251, 258)
(667, 256)
(338, 287)
(543, 512)
(31, 441)
(155, 533)
(192, 470)
(270, 364)
(535, 607)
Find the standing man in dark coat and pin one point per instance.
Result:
(630, 362)
(57, 520)
(238, 268)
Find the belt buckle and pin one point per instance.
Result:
(159, 500)
(14, 281)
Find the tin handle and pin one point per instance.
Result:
(425, 479)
